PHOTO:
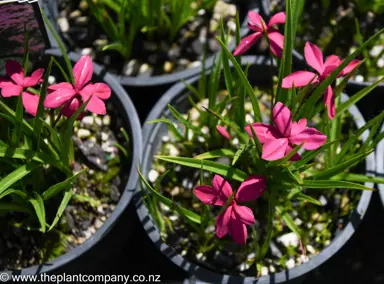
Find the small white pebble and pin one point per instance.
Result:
(380, 62)
(323, 200)
(153, 175)
(165, 138)
(359, 78)
(88, 120)
(310, 249)
(98, 121)
(205, 129)
(51, 80)
(251, 256)
(83, 133)
(248, 118)
(104, 136)
(243, 267)
(173, 218)
(290, 239)
(235, 141)
(298, 221)
(290, 263)
(264, 271)
(272, 269)
(376, 50)
(106, 120)
(304, 258)
(199, 255)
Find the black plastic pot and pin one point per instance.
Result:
(95, 254)
(177, 97)
(145, 92)
(380, 165)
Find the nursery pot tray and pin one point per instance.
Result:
(93, 254)
(153, 133)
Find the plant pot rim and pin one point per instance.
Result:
(380, 165)
(204, 274)
(133, 123)
(50, 7)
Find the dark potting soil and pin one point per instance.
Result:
(319, 224)
(150, 56)
(96, 193)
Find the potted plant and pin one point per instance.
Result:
(243, 179)
(71, 139)
(340, 27)
(165, 43)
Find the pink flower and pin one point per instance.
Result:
(18, 84)
(223, 132)
(72, 96)
(257, 24)
(278, 141)
(314, 58)
(235, 217)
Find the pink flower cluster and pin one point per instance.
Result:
(235, 217)
(69, 97)
(279, 140)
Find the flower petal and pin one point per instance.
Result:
(59, 97)
(257, 21)
(295, 157)
(274, 149)
(34, 78)
(64, 85)
(96, 105)
(71, 107)
(277, 43)
(350, 67)
(10, 90)
(30, 102)
(277, 19)
(327, 71)
(299, 79)
(312, 137)
(4, 81)
(83, 71)
(264, 132)
(282, 118)
(329, 101)
(299, 126)
(246, 43)
(251, 189)
(237, 229)
(222, 187)
(223, 132)
(244, 214)
(332, 60)
(222, 222)
(15, 71)
(102, 91)
(208, 195)
(314, 57)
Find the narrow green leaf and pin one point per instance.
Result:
(171, 127)
(9, 207)
(216, 154)
(341, 167)
(57, 188)
(185, 122)
(288, 220)
(214, 167)
(309, 155)
(324, 184)
(244, 80)
(303, 197)
(10, 191)
(182, 211)
(16, 133)
(357, 178)
(38, 204)
(37, 126)
(64, 203)
(17, 175)
(226, 68)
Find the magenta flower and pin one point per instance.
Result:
(314, 58)
(278, 140)
(258, 25)
(235, 217)
(223, 132)
(18, 84)
(73, 96)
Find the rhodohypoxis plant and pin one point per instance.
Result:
(160, 18)
(314, 58)
(36, 150)
(275, 161)
(257, 24)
